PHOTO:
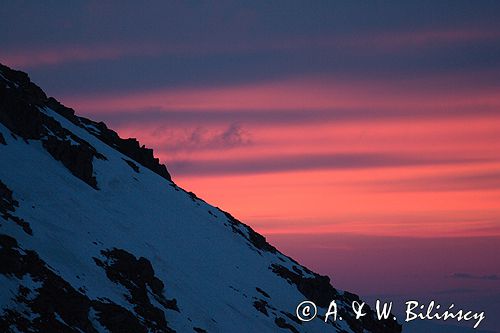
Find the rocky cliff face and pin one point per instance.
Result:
(95, 237)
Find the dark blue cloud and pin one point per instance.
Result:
(490, 277)
(136, 72)
(471, 181)
(231, 42)
(86, 21)
(274, 117)
(305, 162)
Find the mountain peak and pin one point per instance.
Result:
(96, 237)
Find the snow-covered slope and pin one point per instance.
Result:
(95, 237)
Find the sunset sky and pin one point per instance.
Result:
(362, 138)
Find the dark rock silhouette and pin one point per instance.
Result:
(21, 101)
(57, 296)
(8, 206)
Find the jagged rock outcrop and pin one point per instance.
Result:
(21, 102)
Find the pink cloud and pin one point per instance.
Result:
(71, 53)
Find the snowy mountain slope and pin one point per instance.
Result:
(95, 237)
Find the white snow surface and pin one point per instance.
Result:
(210, 270)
